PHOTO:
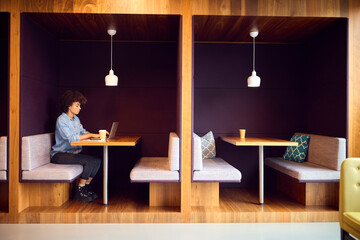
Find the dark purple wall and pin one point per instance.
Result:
(4, 73)
(295, 96)
(325, 58)
(38, 79)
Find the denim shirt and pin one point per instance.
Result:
(67, 131)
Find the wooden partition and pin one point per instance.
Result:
(186, 8)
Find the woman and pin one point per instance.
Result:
(69, 129)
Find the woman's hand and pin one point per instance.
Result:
(88, 136)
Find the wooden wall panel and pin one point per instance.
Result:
(321, 8)
(354, 78)
(103, 6)
(14, 111)
(5, 5)
(186, 110)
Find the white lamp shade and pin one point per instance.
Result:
(253, 80)
(111, 79)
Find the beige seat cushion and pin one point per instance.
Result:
(3, 153)
(305, 171)
(197, 153)
(152, 169)
(174, 152)
(2, 175)
(352, 219)
(217, 170)
(50, 171)
(35, 150)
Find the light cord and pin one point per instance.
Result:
(111, 52)
(253, 53)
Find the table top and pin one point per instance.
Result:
(253, 141)
(117, 141)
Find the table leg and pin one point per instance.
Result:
(105, 180)
(261, 175)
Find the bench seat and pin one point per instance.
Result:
(217, 170)
(303, 172)
(35, 161)
(3, 158)
(153, 169)
(53, 172)
(3, 175)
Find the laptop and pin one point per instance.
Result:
(111, 135)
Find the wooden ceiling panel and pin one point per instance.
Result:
(271, 29)
(93, 27)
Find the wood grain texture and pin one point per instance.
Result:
(5, 6)
(240, 205)
(354, 79)
(205, 194)
(164, 194)
(14, 111)
(104, 6)
(186, 109)
(127, 207)
(309, 194)
(310, 8)
(47, 194)
(93, 27)
(271, 29)
(251, 141)
(118, 141)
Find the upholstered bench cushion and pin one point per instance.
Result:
(305, 171)
(50, 171)
(3, 153)
(174, 152)
(326, 151)
(152, 169)
(352, 218)
(35, 150)
(217, 170)
(197, 153)
(2, 175)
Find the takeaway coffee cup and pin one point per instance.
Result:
(242, 133)
(102, 134)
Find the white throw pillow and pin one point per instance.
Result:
(208, 145)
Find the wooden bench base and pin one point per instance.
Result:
(309, 194)
(164, 194)
(43, 194)
(205, 194)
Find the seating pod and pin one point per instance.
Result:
(3, 158)
(46, 184)
(162, 174)
(315, 181)
(349, 207)
(207, 174)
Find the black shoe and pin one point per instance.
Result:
(91, 191)
(81, 194)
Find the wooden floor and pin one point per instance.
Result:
(236, 205)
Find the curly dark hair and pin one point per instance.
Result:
(69, 97)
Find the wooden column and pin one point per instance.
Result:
(14, 113)
(354, 78)
(186, 110)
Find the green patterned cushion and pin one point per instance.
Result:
(297, 154)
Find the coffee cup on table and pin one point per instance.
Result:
(102, 134)
(242, 133)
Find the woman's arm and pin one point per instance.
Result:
(88, 135)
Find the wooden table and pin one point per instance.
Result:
(117, 141)
(260, 142)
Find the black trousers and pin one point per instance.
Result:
(90, 164)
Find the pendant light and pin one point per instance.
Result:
(111, 79)
(253, 80)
